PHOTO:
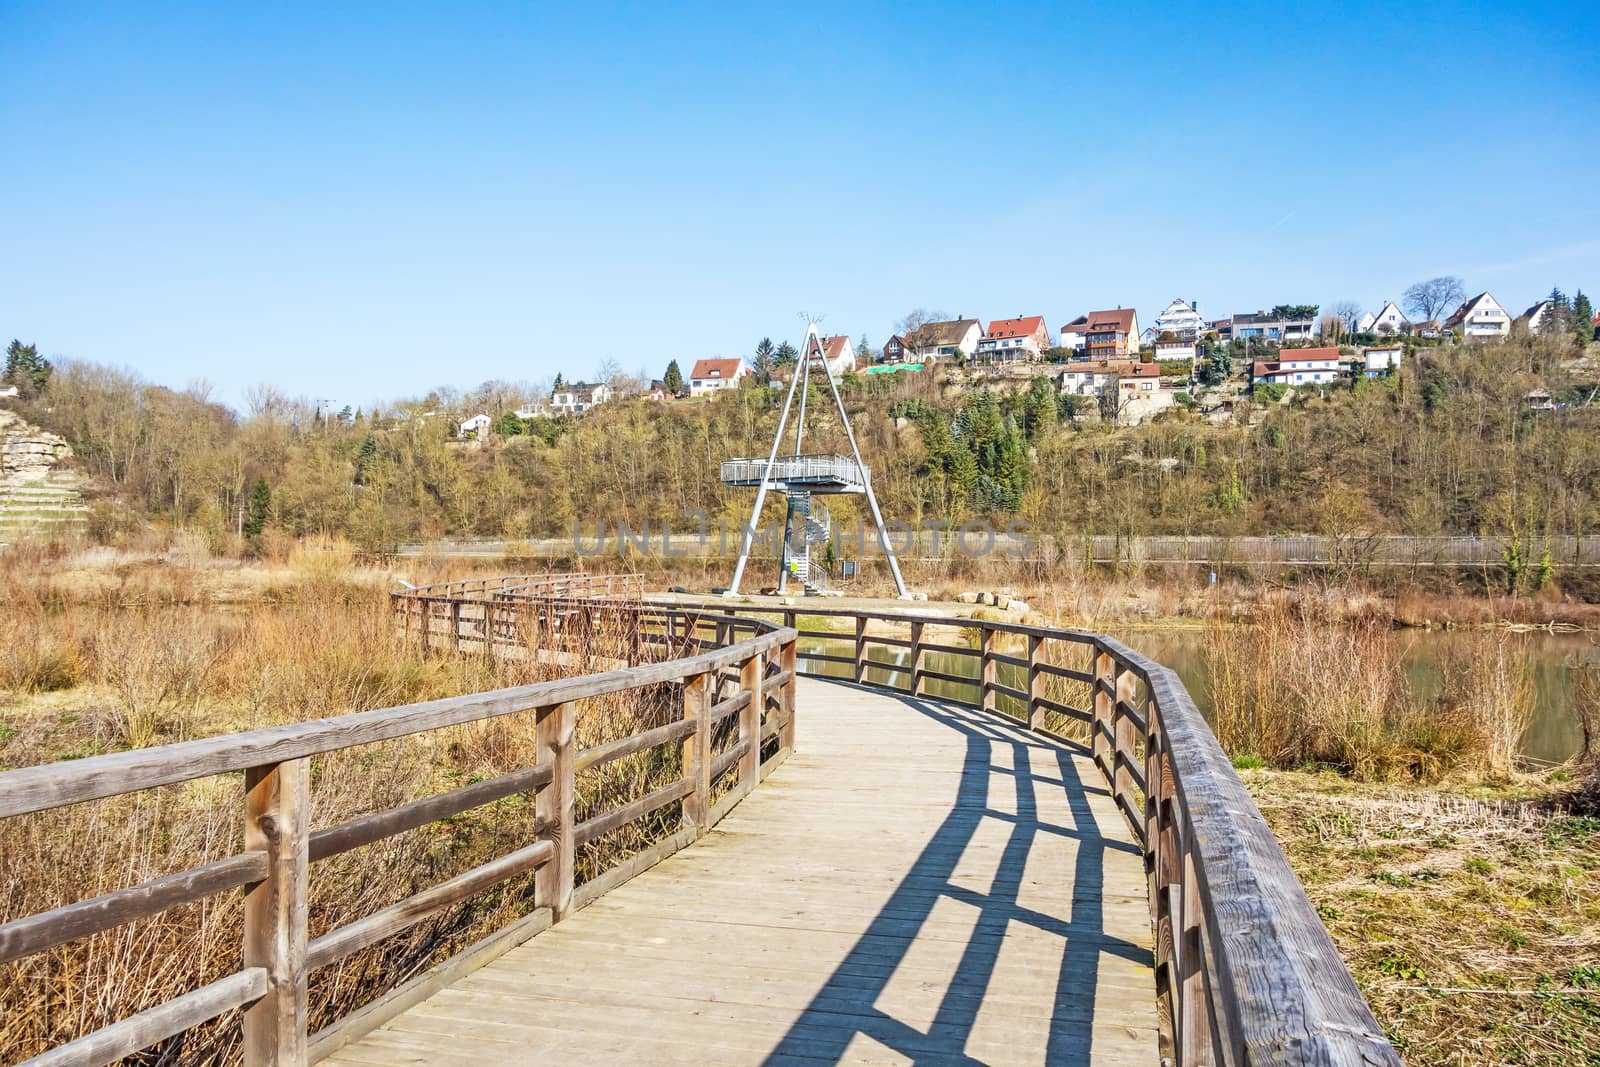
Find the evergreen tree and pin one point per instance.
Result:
(260, 503)
(673, 378)
(1582, 318)
(763, 362)
(1556, 319)
(26, 369)
(559, 382)
(785, 356)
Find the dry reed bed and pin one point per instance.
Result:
(77, 678)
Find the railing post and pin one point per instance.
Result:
(1105, 695)
(861, 649)
(1035, 711)
(455, 624)
(488, 627)
(554, 806)
(919, 660)
(427, 621)
(1122, 759)
(752, 676)
(791, 664)
(990, 636)
(277, 804)
(697, 749)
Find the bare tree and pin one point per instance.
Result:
(913, 328)
(1430, 299)
(1348, 312)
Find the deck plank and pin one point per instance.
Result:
(919, 882)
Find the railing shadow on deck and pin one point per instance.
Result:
(847, 1004)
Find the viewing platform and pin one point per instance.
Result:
(813, 473)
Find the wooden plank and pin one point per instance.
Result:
(277, 816)
(594, 827)
(35, 933)
(697, 750)
(600, 755)
(1065, 672)
(554, 808)
(335, 945)
(366, 829)
(120, 1039)
(753, 681)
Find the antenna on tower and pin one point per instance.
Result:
(800, 476)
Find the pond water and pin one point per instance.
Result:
(1553, 736)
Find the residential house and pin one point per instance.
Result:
(1181, 319)
(1533, 320)
(1378, 359)
(1019, 340)
(476, 427)
(575, 398)
(954, 339)
(837, 352)
(658, 390)
(1111, 334)
(1265, 326)
(7, 391)
(711, 376)
(1300, 366)
(1482, 316)
(539, 410)
(1075, 334)
(1390, 320)
(1135, 386)
(1170, 351)
(894, 349)
(1539, 400)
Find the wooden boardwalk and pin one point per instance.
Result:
(920, 882)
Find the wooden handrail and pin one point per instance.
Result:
(493, 616)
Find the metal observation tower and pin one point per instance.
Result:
(800, 477)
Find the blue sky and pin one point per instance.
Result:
(362, 204)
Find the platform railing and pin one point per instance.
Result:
(729, 687)
(1246, 973)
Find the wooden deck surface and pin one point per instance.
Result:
(920, 883)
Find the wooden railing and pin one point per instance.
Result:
(1245, 971)
(732, 684)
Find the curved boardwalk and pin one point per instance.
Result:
(919, 882)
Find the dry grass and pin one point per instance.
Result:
(1472, 923)
(1298, 687)
(87, 668)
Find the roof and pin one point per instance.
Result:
(1302, 355)
(940, 334)
(716, 368)
(1025, 326)
(1535, 309)
(895, 339)
(1077, 325)
(1262, 317)
(832, 347)
(1467, 307)
(1120, 320)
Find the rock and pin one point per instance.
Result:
(1017, 607)
(919, 596)
(966, 598)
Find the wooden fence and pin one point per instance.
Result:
(732, 682)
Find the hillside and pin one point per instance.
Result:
(1446, 445)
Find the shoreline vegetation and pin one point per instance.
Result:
(1460, 886)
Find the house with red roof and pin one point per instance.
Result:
(1128, 390)
(1298, 366)
(1019, 340)
(711, 376)
(837, 352)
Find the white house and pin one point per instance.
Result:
(1389, 320)
(8, 391)
(1075, 334)
(477, 426)
(1379, 358)
(1018, 340)
(951, 339)
(537, 411)
(1298, 366)
(1181, 318)
(837, 352)
(578, 397)
(1167, 351)
(1482, 316)
(711, 376)
(1534, 318)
